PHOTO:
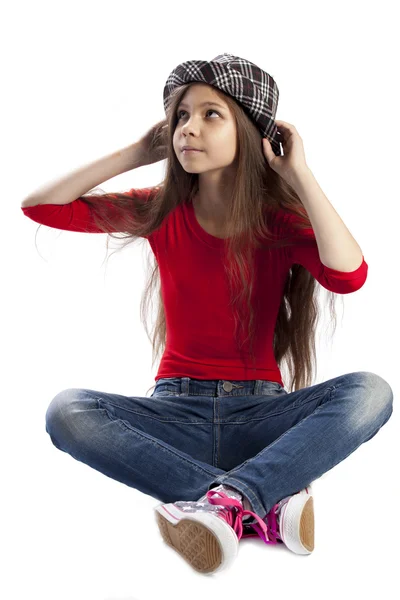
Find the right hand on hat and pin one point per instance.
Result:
(152, 146)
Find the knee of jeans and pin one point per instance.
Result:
(59, 412)
(381, 388)
(379, 395)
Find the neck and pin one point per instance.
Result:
(210, 210)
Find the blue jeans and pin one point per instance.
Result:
(191, 435)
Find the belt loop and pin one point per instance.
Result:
(258, 387)
(184, 386)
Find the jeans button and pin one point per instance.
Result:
(227, 386)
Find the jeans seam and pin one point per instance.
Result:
(142, 414)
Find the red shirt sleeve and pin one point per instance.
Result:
(75, 216)
(305, 252)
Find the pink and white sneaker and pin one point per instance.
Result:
(290, 521)
(207, 532)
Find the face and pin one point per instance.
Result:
(212, 129)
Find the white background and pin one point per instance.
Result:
(81, 80)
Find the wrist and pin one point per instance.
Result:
(301, 177)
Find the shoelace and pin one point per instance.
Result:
(233, 513)
(272, 524)
(272, 520)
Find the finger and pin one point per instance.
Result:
(283, 124)
(267, 148)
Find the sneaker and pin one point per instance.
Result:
(290, 521)
(206, 533)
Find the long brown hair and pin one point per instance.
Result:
(256, 187)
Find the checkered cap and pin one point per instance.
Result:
(253, 88)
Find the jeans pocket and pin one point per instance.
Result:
(167, 386)
(163, 393)
(272, 388)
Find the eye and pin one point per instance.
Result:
(209, 110)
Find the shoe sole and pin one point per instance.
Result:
(205, 541)
(297, 523)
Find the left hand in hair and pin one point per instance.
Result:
(293, 161)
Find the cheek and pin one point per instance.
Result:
(176, 141)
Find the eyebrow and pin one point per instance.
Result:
(203, 104)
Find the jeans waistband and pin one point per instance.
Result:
(188, 386)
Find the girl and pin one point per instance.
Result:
(242, 234)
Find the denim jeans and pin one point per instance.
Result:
(191, 435)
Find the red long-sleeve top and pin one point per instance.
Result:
(199, 320)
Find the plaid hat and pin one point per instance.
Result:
(253, 88)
